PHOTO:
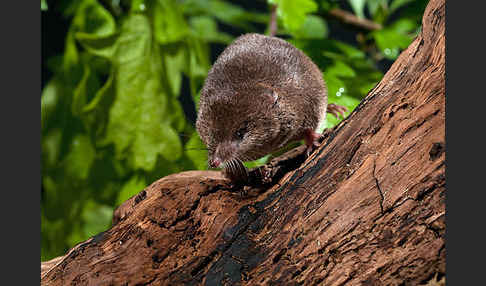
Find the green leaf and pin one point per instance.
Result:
(169, 23)
(80, 158)
(92, 18)
(176, 118)
(334, 84)
(174, 64)
(136, 121)
(100, 94)
(314, 27)
(91, 21)
(130, 188)
(349, 51)
(85, 89)
(258, 162)
(43, 5)
(197, 65)
(225, 12)
(147, 146)
(103, 46)
(394, 38)
(373, 5)
(358, 7)
(71, 55)
(79, 95)
(403, 26)
(343, 65)
(138, 6)
(206, 28)
(340, 69)
(293, 12)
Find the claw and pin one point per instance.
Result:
(311, 140)
(265, 175)
(337, 110)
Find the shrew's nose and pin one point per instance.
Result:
(214, 163)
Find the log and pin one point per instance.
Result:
(366, 208)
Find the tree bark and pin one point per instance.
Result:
(366, 208)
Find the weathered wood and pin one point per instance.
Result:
(366, 208)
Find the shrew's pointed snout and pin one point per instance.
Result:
(225, 151)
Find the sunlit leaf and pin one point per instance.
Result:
(140, 105)
(334, 84)
(358, 7)
(256, 163)
(138, 6)
(225, 12)
(174, 64)
(403, 26)
(169, 23)
(44, 5)
(340, 69)
(393, 39)
(198, 59)
(293, 12)
(314, 27)
(373, 5)
(349, 51)
(103, 46)
(100, 94)
(71, 54)
(92, 18)
(206, 28)
(79, 96)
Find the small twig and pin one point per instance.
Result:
(350, 18)
(382, 195)
(272, 25)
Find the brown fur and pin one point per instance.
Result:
(265, 88)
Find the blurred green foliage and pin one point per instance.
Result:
(112, 121)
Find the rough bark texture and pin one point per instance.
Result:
(366, 208)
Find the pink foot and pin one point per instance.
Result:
(336, 110)
(311, 140)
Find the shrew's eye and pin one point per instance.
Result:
(241, 133)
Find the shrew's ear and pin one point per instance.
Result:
(270, 94)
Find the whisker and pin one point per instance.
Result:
(240, 169)
(185, 135)
(231, 167)
(242, 166)
(198, 149)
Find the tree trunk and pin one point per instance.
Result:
(366, 208)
